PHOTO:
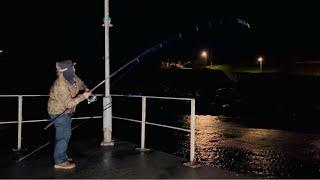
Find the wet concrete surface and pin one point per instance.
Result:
(93, 161)
(256, 152)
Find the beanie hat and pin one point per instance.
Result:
(66, 68)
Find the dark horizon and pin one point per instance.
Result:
(38, 34)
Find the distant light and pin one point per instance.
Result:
(1, 51)
(204, 54)
(260, 59)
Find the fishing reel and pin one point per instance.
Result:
(92, 99)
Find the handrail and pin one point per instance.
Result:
(113, 95)
(142, 121)
(47, 120)
(33, 95)
(153, 97)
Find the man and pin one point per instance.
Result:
(62, 103)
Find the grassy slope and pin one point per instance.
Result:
(241, 69)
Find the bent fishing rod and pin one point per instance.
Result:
(160, 46)
(137, 59)
(146, 53)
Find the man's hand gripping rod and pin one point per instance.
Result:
(93, 98)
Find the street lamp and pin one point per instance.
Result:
(204, 55)
(260, 60)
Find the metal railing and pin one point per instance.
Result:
(143, 121)
(20, 117)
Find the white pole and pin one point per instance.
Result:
(143, 123)
(19, 122)
(107, 114)
(260, 66)
(192, 127)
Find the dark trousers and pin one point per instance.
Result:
(63, 134)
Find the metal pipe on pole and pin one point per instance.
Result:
(107, 114)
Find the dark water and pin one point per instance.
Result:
(256, 152)
(260, 152)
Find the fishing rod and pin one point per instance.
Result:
(144, 54)
(137, 59)
(156, 48)
(160, 45)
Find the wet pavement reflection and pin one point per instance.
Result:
(267, 153)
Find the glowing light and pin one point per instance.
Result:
(260, 59)
(204, 54)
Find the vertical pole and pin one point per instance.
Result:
(143, 123)
(192, 162)
(19, 122)
(260, 66)
(107, 114)
(192, 127)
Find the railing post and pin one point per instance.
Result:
(192, 162)
(19, 122)
(143, 125)
(192, 127)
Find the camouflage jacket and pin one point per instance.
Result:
(63, 95)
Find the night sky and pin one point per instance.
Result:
(34, 34)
